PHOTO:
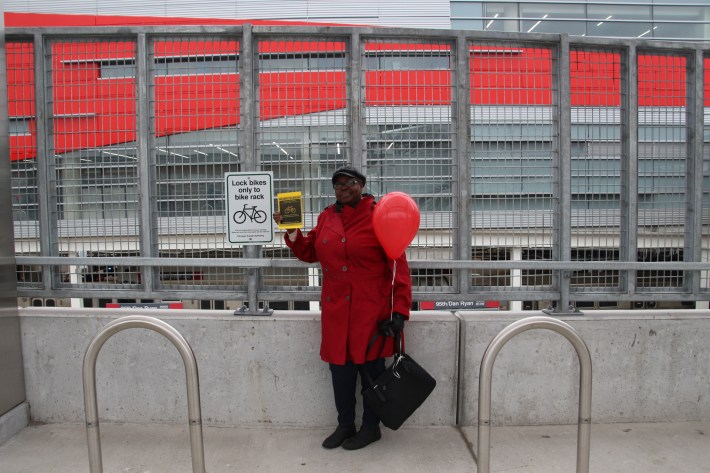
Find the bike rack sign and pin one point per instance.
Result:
(249, 207)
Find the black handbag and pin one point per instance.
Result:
(399, 390)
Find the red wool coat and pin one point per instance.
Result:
(357, 282)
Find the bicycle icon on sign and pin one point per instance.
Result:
(254, 215)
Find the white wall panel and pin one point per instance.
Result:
(401, 13)
(273, 9)
(209, 9)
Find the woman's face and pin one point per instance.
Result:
(348, 190)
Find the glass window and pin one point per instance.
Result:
(19, 126)
(411, 61)
(284, 64)
(552, 18)
(303, 62)
(680, 30)
(24, 190)
(216, 66)
(619, 12)
(501, 17)
(611, 20)
(118, 69)
(466, 24)
(190, 178)
(681, 13)
(173, 66)
(687, 25)
(323, 63)
(539, 10)
(512, 168)
(191, 198)
(412, 158)
(97, 184)
(466, 15)
(200, 65)
(466, 10)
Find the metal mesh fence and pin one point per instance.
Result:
(513, 160)
(705, 223)
(195, 140)
(662, 170)
(596, 165)
(93, 181)
(23, 145)
(407, 90)
(118, 165)
(302, 134)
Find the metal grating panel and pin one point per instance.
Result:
(196, 140)
(302, 136)
(23, 156)
(513, 160)
(661, 168)
(705, 228)
(93, 164)
(109, 140)
(596, 166)
(407, 91)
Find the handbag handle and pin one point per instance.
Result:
(398, 353)
(397, 343)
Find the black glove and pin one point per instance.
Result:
(391, 326)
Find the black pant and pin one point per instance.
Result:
(344, 387)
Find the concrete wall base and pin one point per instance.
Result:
(648, 366)
(254, 370)
(13, 421)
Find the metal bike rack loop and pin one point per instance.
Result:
(585, 387)
(193, 386)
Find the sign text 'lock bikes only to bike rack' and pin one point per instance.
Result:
(249, 207)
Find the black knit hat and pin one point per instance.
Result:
(349, 171)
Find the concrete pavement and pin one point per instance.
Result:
(133, 448)
(682, 447)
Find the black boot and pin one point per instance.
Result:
(341, 434)
(366, 435)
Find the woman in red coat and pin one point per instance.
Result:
(358, 295)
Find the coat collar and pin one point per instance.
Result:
(336, 223)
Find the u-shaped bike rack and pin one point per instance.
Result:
(585, 387)
(193, 386)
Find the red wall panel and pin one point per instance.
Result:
(91, 111)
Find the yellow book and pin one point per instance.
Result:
(291, 208)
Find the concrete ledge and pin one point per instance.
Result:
(254, 371)
(13, 421)
(648, 366)
(651, 366)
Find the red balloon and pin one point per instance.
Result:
(396, 222)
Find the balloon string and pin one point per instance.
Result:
(394, 273)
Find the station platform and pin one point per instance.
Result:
(136, 448)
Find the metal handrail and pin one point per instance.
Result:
(585, 386)
(191, 375)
